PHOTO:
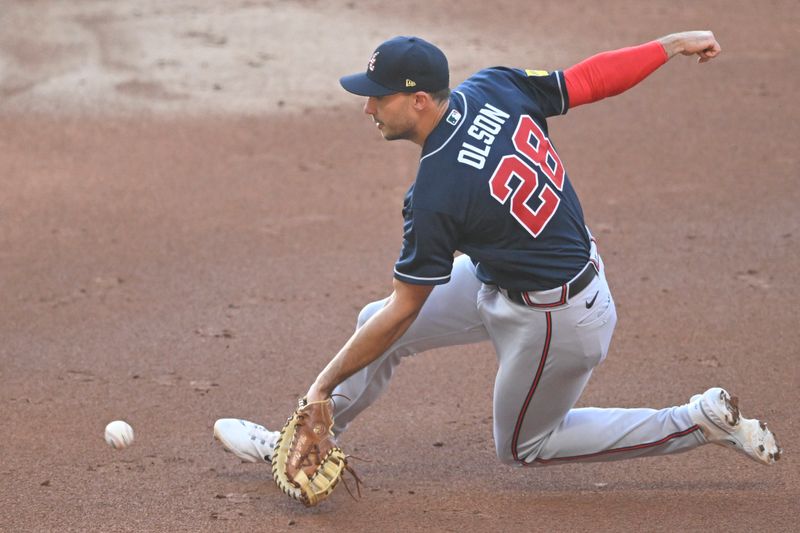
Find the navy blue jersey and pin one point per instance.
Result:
(491, 185)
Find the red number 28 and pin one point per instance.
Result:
(531, 142)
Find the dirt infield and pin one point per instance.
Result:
(192, 213)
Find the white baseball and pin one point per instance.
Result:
(119, 434)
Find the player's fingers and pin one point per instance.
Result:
(709, 53)
(713, 50)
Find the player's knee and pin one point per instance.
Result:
(505, 455)
(519, 456)
(369, 310)
(506, 458)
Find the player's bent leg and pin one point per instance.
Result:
(546, 356)
(448, 318)
(542, 370)
(594, 434)
(542, 375)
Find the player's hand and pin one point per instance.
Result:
(703, 43)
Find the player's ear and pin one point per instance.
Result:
(421, 100)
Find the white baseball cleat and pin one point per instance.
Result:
(246, 440)
(717, 413)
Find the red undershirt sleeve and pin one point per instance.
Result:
(611, 73)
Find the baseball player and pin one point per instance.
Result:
(529, 278)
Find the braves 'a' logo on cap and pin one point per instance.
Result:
(371, 64)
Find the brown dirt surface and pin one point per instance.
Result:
(192, 213)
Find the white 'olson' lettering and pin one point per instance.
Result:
(484, 128)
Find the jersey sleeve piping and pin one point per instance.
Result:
(463, 121)
(559, 75)
(417, 279)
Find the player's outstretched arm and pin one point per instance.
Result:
(373, 338)
(703, 43)
(614, 72)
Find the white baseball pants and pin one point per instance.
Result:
(545, 358)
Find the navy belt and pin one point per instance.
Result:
(569, 289)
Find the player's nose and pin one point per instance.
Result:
(369, 106)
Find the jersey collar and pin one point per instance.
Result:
(445, 130)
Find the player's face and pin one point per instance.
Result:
(393, 115)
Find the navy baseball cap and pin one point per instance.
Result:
(401, 65)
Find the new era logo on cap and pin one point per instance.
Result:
(401, 64)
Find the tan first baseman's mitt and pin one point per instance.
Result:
(307, 463)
